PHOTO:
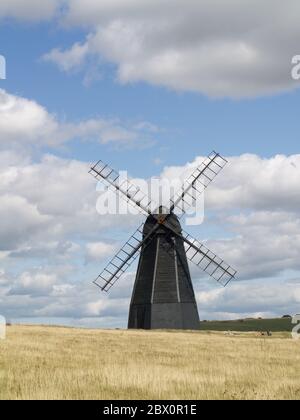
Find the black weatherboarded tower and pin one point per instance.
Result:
(163, 295)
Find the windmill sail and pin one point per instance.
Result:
(131, 193)
(197, 182)
(209, 262)
(204, 258)
(125, 257)
(121, 261)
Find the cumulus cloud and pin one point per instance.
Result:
(48, 201)
(99, 251)
(70, 59)
(251, 182)
(31, 10)
(50, 293)
(3, 278)
(197, 46)
(255, 204)
(264, 184)
(53, 242)
(48, 223)
(200, 46)
(24, 122)
(253, 298)
(33, 284)
(259, 250)
(22, 220)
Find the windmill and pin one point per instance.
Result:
(163, 295)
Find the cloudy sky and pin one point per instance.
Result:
(150, 87)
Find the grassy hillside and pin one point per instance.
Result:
(274, 325)
(62, 363)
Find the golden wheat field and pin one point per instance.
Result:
(39, 362)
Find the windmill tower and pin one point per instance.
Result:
(163, 295)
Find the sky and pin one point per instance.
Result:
(149, 87)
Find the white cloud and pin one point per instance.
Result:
(51, 223)
(257, 250)
(263, 183)
(251, 182)
(99, 251)
(24, 122)
(29, 10)
(3, 278)
(21, 220)
(68, 60)
(200, 46)
(95, 308)
(255, 204)
(232, 49)
(33, 284)
(48, 202)
(250, 299)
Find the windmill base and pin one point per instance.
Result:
(173, 316)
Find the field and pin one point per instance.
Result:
(262, 325)
(61, 363)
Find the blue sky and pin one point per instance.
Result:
(264, 125)
(170, 88)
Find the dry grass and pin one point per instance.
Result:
(62, 363)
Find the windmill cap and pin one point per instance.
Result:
(152, 220)
(162, 210)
